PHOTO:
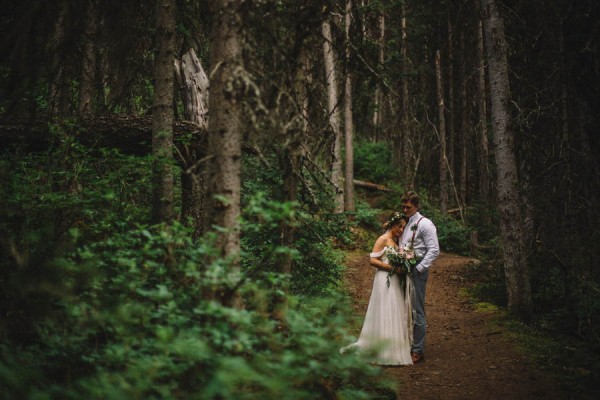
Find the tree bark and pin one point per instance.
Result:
(371, 186)
(162, 113)
(482, 134)
(509, 201)
(88, 67)
(193, 84)
(348, 123)
(378, 106)
(224, 130)
(290, 157)
(289, 163)
(443, 160)
(404, 140)
(59, 91)
(451, 128)
(464, 125)
(132, 134)
(334, 116)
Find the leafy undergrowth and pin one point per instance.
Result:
(134, 317)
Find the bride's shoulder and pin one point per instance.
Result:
(380, 243)
(383, 238)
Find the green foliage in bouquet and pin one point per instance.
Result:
(403, 261)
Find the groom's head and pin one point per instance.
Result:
(410, 203)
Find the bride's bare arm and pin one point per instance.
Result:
(376, 262)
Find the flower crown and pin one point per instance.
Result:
(393, 220)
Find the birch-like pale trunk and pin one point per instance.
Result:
(348, 123)
(443, 161)
(509, 200)
(162, 113)
(364, 23)
(334, 116)
(193, 83)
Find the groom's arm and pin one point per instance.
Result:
(430, 239)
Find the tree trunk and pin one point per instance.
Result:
(348, 123)
(404, 140)
(464, 125)
(289, 163)
(193, 83)
(378, 106)
(482, 134)
(290, 157)
(450, 105)
(162, 113)
(58, 89)
(372, 186)
(509, 201)
(334, 116)
(88, 68)
(563, 134)
(224, 131)
(193, 189)
(131, 134)
(443, 161)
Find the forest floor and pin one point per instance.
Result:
(468, 355)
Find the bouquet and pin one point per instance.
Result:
(403, 261)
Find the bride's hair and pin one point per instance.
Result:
(394, 220)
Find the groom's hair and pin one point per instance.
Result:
(411, 197)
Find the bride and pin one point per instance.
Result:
(387, 328)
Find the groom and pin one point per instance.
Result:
(420, 234)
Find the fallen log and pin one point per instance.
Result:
(371, 186)
(130, 134)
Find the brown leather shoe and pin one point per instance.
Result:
(417, 357)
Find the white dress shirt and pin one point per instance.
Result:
(426, 244)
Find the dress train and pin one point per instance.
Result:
(387, 328)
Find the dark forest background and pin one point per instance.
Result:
(104, 296)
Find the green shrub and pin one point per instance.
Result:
(137, 319)
(317, 266)
(453, 235)
(373, 162)
(94, 195)
(103, 307)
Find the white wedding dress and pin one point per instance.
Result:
(387, 329)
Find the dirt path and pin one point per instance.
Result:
(467, 357)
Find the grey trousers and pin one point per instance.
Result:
(418, 306)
